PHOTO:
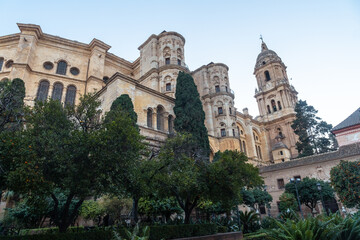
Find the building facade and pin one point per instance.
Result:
(62, 69)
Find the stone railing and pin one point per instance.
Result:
(271, 84)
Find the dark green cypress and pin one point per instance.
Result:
(124, 105)
(189, 113)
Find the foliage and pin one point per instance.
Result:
(181, 231)
(249, 221)
(155, 207)
(91, 210)
(67, 150)
(125, 105)
(12, 94)
(256, 197)
(309, 194)
(189, 113)
(228, 175)
(93, 235)
(314, 134)
(288, 215)
(209, 208)
(178, 172)
(288, 201)
(345, 178)
(113, 206)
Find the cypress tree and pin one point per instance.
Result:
(123, 105)
(189, 113)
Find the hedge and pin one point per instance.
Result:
(156, 233)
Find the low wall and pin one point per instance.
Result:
(219, 236)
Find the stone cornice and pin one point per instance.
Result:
(160, 36)
(209, 66)
(9, 38)
(342, 153)
(31, 28)
(162, 68)
(97, 43)
(137, 85)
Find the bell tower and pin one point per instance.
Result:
(276, 100)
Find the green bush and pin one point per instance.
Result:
(52, 230)
(156, 233)
(180, 231)
(92, 235)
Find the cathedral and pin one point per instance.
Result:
(62, 69)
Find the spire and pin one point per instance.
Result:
(263, 45)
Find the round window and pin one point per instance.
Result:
(9, 63)
(74, 71)
(48, 65)
(105, 79)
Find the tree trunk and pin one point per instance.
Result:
(135, 209)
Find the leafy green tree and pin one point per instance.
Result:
(179, 172)
(135, 179)
(155, 207)
(12, 94)
(308, 191)
(256, 197)
(69, 151)
(314, 134)
(92, 210)
(288, 201)
(345, 178)
(189, 113)
(228, 174)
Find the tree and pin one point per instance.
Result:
(228, 174)
(179, 172)
(189, 113)
(154, 207)
(134, 181)
(345, 178)
(314, 134)
(309, 193)
(288, 201)
(69, 151)
(12, 94)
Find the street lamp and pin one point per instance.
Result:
(322, 199)
(295, 181)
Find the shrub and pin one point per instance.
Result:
(93, 235)
(180, 231)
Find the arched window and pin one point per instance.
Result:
(273, 105)
(57, 91)
(244, 147)
(260, 156)
(1, 63)
(160, 118)
(149, 117)
(43, 90)
(279, 105)
(267, 76)
(61, 68)
(268, 108)
(70, 95)
(171, 124)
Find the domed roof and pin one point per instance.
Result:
(266, 56)
(279, 145)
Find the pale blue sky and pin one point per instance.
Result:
(319, 41)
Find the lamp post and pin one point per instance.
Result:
(295, 181)
(322, 199)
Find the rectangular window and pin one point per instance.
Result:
(223, 132)
(217, 88)
(167, 61)
(179, 62)
(280, 183)
(233, 132)
(168, 87)
(230, 111)
(220, 110)
(281, 153)
(226, 89)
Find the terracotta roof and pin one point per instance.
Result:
(353, 119)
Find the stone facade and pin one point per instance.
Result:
(54, 67)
